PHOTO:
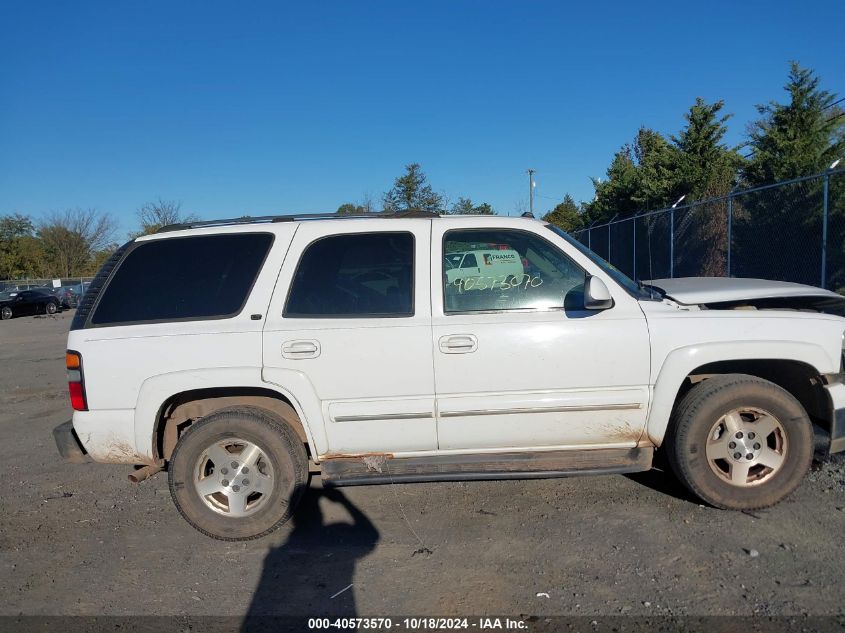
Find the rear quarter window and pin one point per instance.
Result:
(182, 278)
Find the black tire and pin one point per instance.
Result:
(278, 442)
(5, 313)
(702, 408)
(51, 307)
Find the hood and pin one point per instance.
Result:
(728, 292)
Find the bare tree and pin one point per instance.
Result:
(159, 213)
(519, 207)
(71, 238)
(367, 203)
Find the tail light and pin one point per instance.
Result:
(76, 381)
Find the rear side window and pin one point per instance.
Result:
(202, 277)
(355, 275)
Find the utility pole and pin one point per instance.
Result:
(531, 190)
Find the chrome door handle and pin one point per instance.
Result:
(458, 344)
(296, 350)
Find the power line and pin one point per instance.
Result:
(833, 104)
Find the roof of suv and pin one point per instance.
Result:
(270, 219)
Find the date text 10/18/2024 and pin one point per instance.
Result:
(417, 624)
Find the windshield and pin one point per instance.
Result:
(453, 260)
(634, 288)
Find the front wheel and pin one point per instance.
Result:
(51, 308)
(6, 313)
(238, 473)
(740, 442)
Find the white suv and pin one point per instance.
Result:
(233, 352)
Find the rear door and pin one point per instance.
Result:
(351, 313)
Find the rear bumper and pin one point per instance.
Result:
(70, 448)
(836, 391)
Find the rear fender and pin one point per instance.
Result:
(156, 391)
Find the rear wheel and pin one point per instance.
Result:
(6, 313)
(238, 473)
(740, 442)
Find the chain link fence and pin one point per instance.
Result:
(14, 285)
(789, 231)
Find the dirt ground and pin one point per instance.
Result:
(80, 539)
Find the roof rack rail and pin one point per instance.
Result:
(265, 219)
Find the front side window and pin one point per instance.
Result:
(633, 288)
(354, 275)
(180, 278)
(511, 270)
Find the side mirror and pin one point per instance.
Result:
(596, 295)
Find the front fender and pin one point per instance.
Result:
(681, 362)
(159, 389)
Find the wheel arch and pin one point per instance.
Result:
(168, 403)
(182, 409)
(796, 367)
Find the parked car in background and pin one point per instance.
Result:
(28, 302)
(68, 296)
(483, 268)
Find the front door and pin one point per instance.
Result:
(519, 362)
(351, 313)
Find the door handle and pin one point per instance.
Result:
(458, 344)
(296, 350)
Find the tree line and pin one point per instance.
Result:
(71, 243)
(411, 191)
(803, 135)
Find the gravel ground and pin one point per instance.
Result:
(81, 540)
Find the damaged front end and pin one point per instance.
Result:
(824, 304)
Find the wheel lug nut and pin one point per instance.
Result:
(245, 482)
(737, 455)
(749, 456)
(234, 464)
(756, 446)
(224, 471)
(751, 436)
(236, 488)
(225, 482)
(244, 470)
(739, 435)
(732, 445)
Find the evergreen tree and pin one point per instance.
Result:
(706, 165)
(800, 137)
(465, 206)
(347, 208)
(411, 192)
(615, 195)
(566, 215)
(797, 138)
(641, 177)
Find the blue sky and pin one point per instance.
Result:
(258, 108)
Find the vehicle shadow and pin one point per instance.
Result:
(662, 480)
(311, 573)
